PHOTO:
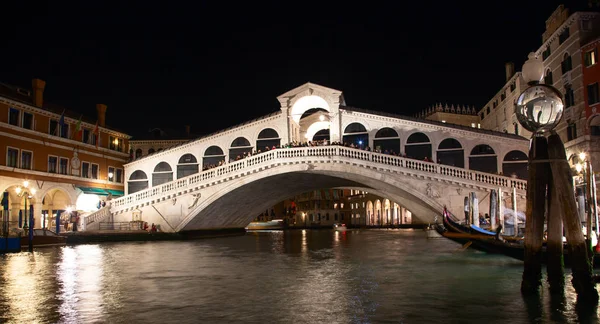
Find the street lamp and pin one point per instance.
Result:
(25, 192)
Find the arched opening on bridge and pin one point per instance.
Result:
(138, 180)
(378, 215)
(150, 151)
(515, 164)
(268, 137)
(213, 157)
(356, 133)
(187, 165)
(240, 147)
(484, 159)
(387, 140)
(307, 106)
(450, 152)
(321, 135)
(138, 153)
(370, 211)
(387, 212)
(418, 146)
(162, 173)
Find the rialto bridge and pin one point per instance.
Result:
(203, 184)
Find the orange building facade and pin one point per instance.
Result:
(58, 162)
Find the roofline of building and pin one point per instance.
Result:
(47, 112)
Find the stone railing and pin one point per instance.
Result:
(300, 154)
(96, 217)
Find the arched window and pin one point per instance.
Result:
(162, 174)
(268, 137)
(484, 159)
(138, 153)
(138, 180)
(387, 140)
(150, 151)
(356, 133)
(548, 77)
(418, 146)
(187, 165)
(213, 156)
(450, 152)
(239, 147)
(321, 135)
(515, 164)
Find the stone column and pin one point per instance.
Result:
(14, 211)
(37, 214)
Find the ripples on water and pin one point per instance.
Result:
(360, 276)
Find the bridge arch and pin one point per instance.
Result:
(237, 203)
(306, 103)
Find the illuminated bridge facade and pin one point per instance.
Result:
(225, 179)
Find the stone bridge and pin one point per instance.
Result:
(182, 188)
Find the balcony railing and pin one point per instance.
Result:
(301, 153)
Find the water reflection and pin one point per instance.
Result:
(80, 274)
(324, 276)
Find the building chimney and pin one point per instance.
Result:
(187, 130)
(510, 70)
(38, 92)
(101, 114)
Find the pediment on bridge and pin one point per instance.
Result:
(309, 89)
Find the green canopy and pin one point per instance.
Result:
(94, 191)
(115, 193)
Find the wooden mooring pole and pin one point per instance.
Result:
(535, 210)
(578, 251)
(554, 242)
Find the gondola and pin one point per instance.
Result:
(494, 244)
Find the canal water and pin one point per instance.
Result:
(318, 276)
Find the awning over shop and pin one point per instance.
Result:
(94, 191)
(115, 193)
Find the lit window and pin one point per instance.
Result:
(443, 121)
(473, 125)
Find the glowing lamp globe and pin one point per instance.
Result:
(539, 108)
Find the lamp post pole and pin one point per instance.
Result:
(28, 226)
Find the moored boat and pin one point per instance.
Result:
(43, 238)
(339, 227)
(275, 224)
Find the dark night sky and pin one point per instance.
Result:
(167, 64)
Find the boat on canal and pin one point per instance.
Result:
(495, 244)
(43, 238)
(275, 224)
(339, 227)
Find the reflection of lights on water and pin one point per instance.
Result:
(23, 286)
(304, 248)
(80, 275)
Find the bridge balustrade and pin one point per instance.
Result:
(316, 151)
